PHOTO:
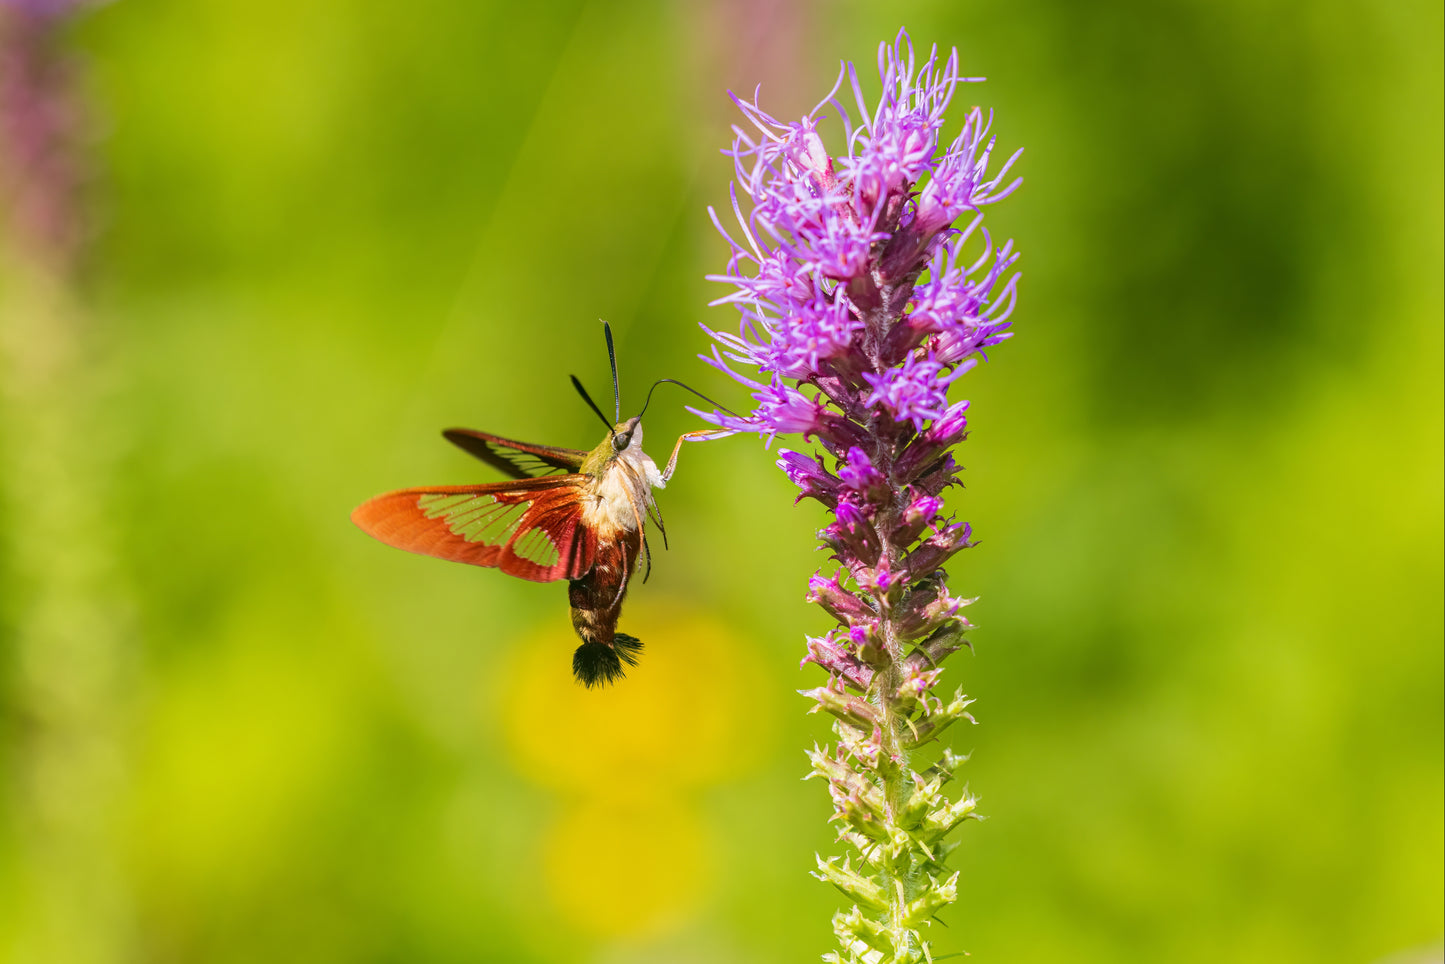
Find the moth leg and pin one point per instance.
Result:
(654, 512)
(642, 534)
(648, 506)
(629, 558)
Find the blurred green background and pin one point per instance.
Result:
(1206, 477)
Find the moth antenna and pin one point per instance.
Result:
(674, 381)
(591, 404)
(612, 360)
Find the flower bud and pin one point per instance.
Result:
(840, 659)
(810, 476)
(939, 548)
(841, 604)
(858, 474)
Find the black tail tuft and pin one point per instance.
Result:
(596, 664)
(628, 647)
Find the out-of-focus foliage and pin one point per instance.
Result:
(1206, 478)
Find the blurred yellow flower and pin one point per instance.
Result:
(627, 869)
(628, 855)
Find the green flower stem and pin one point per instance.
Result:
(64, 621)
(893, 759)
(894, 775)
(893, 816)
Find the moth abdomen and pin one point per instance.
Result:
(596, 601)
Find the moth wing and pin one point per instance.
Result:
(531, 529)
(520, 460)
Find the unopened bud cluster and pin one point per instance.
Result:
(859, 312)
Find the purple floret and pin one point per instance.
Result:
(846, 270)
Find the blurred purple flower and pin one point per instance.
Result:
(41, 131)
(43, 8)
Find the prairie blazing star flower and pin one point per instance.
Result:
(861, 305)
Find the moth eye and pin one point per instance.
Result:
(621, 440)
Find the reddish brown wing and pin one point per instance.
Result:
(520, 460)
(531, 529)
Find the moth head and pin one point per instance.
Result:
(625, 433)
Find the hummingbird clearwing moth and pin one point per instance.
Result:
(565, 514)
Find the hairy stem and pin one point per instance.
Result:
(893, 770)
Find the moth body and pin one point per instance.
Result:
(616, 509)
(622, 492)
(586, 526)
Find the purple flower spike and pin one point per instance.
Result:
(860, 306)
